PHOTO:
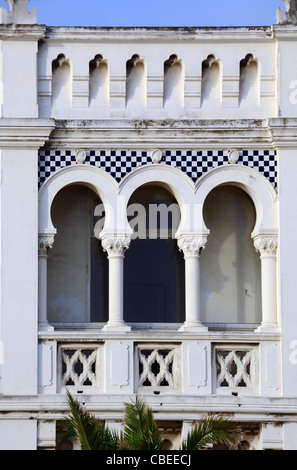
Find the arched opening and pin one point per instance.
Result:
(230, 266)
(249, 84)
(135, 82)
(61, 81)
(173, 81)
(77, 266)
(98, 82)
(154, 266)
(211, 86)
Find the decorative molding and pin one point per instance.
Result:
(87, 358)
(158, 367)
(25, 133)
(116, 246)
(170, 134)
(45, 243)
(191, 162)
(266, 245)
(192, 246)
(235, 369)
(161, 34)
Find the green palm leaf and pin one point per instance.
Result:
(140, 428)
(212, 430)
(91, 434)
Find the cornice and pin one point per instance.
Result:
(284, 132)
(285, 32)
(25, 133)
(159, 34)
(168, 134)
(23, 32)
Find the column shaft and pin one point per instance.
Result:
(192, 247)
(45, 243)
(267, 246)
(116, 247)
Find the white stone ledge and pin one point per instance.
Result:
(165, 407)
(140, 133)
(166, 34)
(164, 334)
(25, 133)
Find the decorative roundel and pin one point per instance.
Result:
(80, 156)
(233, 156)
(156, 156)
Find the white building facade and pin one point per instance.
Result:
(101, 130)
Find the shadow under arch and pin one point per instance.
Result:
(154, 265)
(245, 270)
(77, 266)
(230, 265)
(96, 179)
(260, 190)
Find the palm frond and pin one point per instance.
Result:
(212, 430)
(140, 428)
(91, 434)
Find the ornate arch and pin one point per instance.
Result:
(253, 183)
(177, 182)
(98, 180)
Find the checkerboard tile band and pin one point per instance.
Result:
(194, 163)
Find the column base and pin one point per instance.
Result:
(195, 327)
(267, 328)
(116, 327)
(45, 326)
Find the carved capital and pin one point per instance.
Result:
(45, 243)
(116, 246)
(192, 246)
(266, 245)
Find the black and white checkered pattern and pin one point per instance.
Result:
(193, 162)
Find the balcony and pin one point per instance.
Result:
(163, 362)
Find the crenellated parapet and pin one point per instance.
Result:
(290, 15)
(18, 13)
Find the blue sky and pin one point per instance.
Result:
(155, 12)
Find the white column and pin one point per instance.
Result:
(45, 243)
(267, 247)
(192, 247)
(116, 247)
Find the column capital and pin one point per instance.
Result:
(266, 245)
(115, 245)
(192, 245)
(45, 243)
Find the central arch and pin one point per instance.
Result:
(154, 266)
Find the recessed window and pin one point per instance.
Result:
(230, 265)
(98, 82)
(135, 82)
(154, 266)
(211, 86)
(173, 82)
(249, 85)
(77, 265)
(62, 81)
